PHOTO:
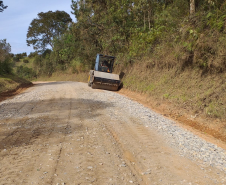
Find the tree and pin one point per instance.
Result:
(32, 54)
(2, 7)
(46, 27)
(5, 49)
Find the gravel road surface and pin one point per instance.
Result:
(67, 133)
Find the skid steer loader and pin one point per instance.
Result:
(101, 77)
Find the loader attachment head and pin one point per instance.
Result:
(107, 81)
(105, 87)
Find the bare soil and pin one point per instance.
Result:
(67, 137)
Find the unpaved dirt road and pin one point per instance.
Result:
(67, 133)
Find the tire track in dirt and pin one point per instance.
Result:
(86, 161)
(138, 158)
(81, 170)
(97, 158)
(143, 144)
(21, 150)
(63, 141)
(37, 132)
(54, 144)
(86, 168)
(49, 160)
(126, 173)
(127, 156)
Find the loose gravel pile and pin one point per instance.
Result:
(185, 142)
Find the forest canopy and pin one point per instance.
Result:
(132, 30)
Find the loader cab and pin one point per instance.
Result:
(104, 63)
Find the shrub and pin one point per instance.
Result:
(33, 54)
(26, 72)
(25, 61)
(5, 67)
(16, 59)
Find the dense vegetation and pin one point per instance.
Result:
(156, 44)
(161, 31)
(5, 58)
(8, 81)
(45, 28)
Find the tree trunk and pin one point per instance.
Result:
(144, 22)
(149, 21)
(192, 7)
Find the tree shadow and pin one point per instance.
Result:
(46, 118)
(120, 86)
(121, 75)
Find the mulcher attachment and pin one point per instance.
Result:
(102, 80)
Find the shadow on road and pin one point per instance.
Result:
(39, 119)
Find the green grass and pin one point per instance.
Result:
(202, 94)
(21, 63)
(65, 76)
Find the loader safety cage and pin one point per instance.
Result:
(104, 63)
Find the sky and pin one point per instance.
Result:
(15, 20)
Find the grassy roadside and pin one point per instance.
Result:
(203, 94)
(191, 97)
(10, 83)
(195, 99)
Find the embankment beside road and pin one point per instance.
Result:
(11, 85)
(190, 96)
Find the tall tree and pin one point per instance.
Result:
(2, 7)
(46, 27)
(5, 48)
